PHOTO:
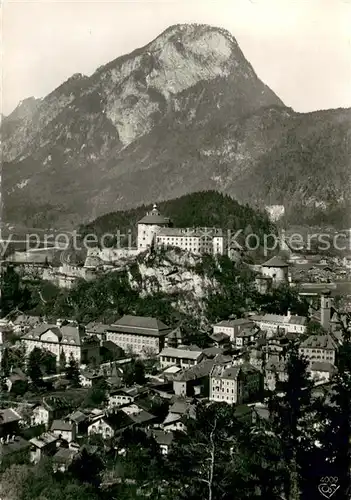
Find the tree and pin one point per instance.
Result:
(292, 411)
(335, 416)
(72, 371)
(86, 468)
(315, 328)
(13, 481)
(10, 292)
(5, 363)
(48, 362)
(134, 373)
(211, 461)
(19, 387)
(97, 395)
(34, 370)
(62, 362)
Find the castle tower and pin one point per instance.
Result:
(326, 303)
(149, 226)
(276, 269)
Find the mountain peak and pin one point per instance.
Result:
(184, 113)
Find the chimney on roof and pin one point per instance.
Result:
(289, 314)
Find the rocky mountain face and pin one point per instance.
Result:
(185, 113)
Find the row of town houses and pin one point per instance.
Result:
(245, 358)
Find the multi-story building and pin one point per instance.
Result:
(141, 335)
(278, 323)
(277, 269)
(321, 371)
(155, 229)
(232, 327)
(274, 372)
(66, 338)
(149, 226)
(319, 348)
(185, 358)
(9, 422)
(51, 408)
(195, 240)
(235, 383)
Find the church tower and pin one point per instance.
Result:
(149, 226)
(326, 303)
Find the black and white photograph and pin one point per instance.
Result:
(175, 250)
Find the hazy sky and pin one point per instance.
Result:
(300, 48)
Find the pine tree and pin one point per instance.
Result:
(335, 437)
(62, 362)
(72, 371)
(34, 366)
(5, 363)
(291, 410)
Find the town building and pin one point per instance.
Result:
(235, 383)
(177, 417)
(322, 371)
(51, 408)
(64, 430)
(185, 358)
(9, 422)
(278, 323)
(195, 240)
(163, 439)
(149, 226)
(63, 458)
(62, 337)
(319, 348)
(90, 378)
(124, 396)
(326, 306)
(174, 338)
(274, 373)
(277, 269)
(44, 445)
(193, 381)
(232, 327)
(156, 230)
(246, 337)
(138, 334)
(115, 422)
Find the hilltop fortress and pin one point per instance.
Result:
(155, 230)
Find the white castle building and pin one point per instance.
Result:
(155, 230)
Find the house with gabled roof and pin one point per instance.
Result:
(231, 327)
(113, 423)
(193, 381)
(44, 445)
(183, 357)
(9, 422)
(51, 408)
(124, 396)
(319, 348)
(139, 334)
(66, 338)
(64, 430)
(235, 383)
(24, 323)
(163, 439)
(280, 323)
